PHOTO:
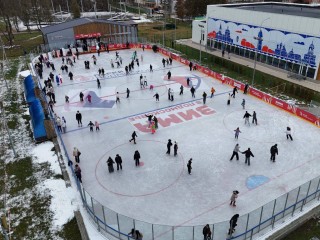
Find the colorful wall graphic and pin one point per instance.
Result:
(299, 48)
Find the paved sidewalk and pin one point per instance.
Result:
(280, 73)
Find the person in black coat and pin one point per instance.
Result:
(81, 95)
(233, 223)
(206, 232)
(77, 171)
(118, 160)
(79, 118)
(169, 144)
(169, 75)
(175, 149)
(234, 91)
(136, 157)
(273, 151)
(133, 135)
(192, 90)
(71, 75)
(254, 118)
(189, 165)
(110, 163)
(248, 154)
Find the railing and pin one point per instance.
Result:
(109, 222)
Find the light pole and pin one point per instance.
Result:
(255, 53)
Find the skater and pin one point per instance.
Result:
(188, 81)
(233, 223)
(189, 166)
(91, 126)
(110, 163)
(151, 70)
(151, 87)
(77, 171)
(149, 119)
(70, 75)
(248, 154)
(163, 62)
(155, 122)
(229, 99)
(235, 152)
(288, 132)
(97, 125)
(66, 98)
(76, 153)
(118, 160)
(133, 137)
(153, 127)
(234, 198)
(98, 83)
(128, 92)
(117, 97)
(81, 95)
(273, 151)
(157, 97)
(145, 83)
(88, 97)
(246, 118)
(102, 71)
(204, 97)
(175, 149)
(254, 118)
(139, 235)
(243, 104)
(136, 157)
(234, 91)
(212, 92)
(79, 118)
(206, 232)
(246, 87)
(59, 123)
(169, 75)
(169, 94)
(236, 134)
(192, 90)
(181, 90)
(64, 126)
(190, 66)
(169, 144)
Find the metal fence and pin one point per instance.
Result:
(111, 223)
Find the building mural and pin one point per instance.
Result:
(299, 48)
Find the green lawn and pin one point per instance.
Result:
(307, 231)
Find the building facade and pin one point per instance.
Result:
(284, 35)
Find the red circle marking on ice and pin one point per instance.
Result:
(138, 195)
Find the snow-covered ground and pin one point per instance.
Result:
(161, 191)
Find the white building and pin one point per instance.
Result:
(284, 35)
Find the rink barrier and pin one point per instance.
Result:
(249, 225)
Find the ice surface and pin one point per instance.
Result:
(161, 191)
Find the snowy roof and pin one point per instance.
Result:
(77, 22)
(302, 10)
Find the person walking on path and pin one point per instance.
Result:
(233, 223)
(288, 132)
(81, 95)
(246, 118)
(212, 92)
(248, 154)
(234, 198)
(98, 83)
(204, 97)
(181, 90)
(128, 92)
(175, 149)
(236, 133)
(206, 232)
(235, 152)
(169, 144)
(76, 153)
(243, 104)
(97, 124)
(91, 126)
(118, 160)
(192, 90)
(133, 137)
(254, 118)
(229, 99)
(189, 166)
(234, 91)
(136, 157)
(157, 97)
(273, 151)
(110, 163)
(77, 171)
(79, 118)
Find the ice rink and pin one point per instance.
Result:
(161, 191)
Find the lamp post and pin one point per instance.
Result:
(255, 53)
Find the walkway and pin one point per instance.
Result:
(280, 73)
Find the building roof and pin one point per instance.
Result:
(77, 22)
(302, 10)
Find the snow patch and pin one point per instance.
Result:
(25, 73)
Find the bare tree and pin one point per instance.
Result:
(6, 11)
